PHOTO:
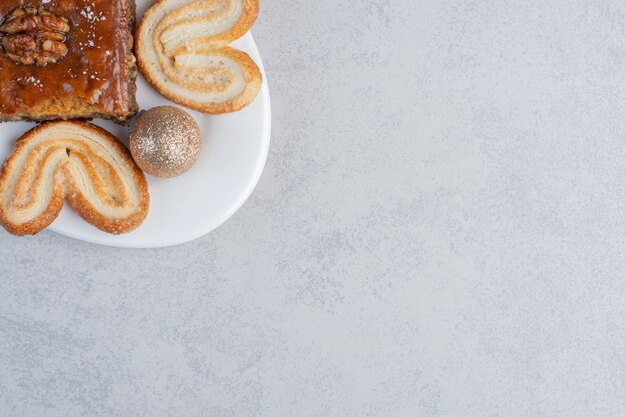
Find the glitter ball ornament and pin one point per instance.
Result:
(165, 141)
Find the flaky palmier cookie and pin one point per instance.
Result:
(77, 161)
(182, 51)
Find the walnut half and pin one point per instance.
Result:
(34, 36)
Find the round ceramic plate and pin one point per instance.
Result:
(187, 207)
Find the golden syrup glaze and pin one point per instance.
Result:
(94, 71)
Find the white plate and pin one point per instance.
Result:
(190, 206)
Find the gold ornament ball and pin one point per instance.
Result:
(165, 141)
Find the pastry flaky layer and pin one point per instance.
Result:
(76, 161)
(182, 51)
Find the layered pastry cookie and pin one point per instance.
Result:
(182, 51)
(78, 162)
(62, 59)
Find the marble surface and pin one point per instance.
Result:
(440, 231)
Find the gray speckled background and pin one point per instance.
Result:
(440, 231)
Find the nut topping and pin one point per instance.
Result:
(34, 36)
